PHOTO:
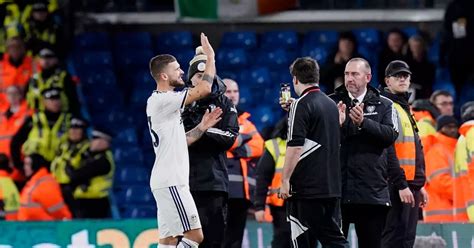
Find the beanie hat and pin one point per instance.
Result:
(444, 120)
(425, 105)
(198, 63)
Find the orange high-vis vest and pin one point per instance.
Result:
(277, 148)
(9, 126)
(250, 140)
(41, 199)
(440, 174)
(405, 144)
(464, 169)
(19, 76)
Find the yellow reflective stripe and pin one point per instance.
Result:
(55, 208)
(439, 172)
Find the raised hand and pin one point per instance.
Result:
(206, 46)
(357, 114)
(210, 119)
(285, 105)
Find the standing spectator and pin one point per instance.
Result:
(9, 19)
(41, 30)
(241, 162)
(69, 155)
(402, 219)
(443, 100)
(458, 31)
(423, 76)
(52, 76)
(208, 177)
(395, 49)
(370, 127)
(332, 74)
(440, 174)
(464, 162)
(92, 179)
(41, 198)
(425, 114)
(9, 196)
(42, 132)
(268, 183)
(12, 118)
(311, 175)
(17, 67)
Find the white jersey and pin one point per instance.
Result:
(171, 166)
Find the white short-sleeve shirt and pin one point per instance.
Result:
(171, 166)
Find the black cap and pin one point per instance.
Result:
(39, 6)
(444, 120)
(425, 105)
(102, 133)
(78, 122)
(47, 53)
(51, 93)
(395, 67)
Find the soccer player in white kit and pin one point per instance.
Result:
(177, 213)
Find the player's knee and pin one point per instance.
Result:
(195, 235)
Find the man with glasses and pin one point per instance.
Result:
(400, 227)
(443, 100)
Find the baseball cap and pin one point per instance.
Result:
(51, 93)
(47, 53)
(78, 122)
(395, 67)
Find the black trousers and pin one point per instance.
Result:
(281, 228)
(212, 209)
(313, 220)
(93, 208)
(68, 196)
(236, 219)
(402, 219)
(369, 222)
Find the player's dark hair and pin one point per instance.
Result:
(158, 63)
(306, 70)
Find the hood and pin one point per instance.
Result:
(465, 127)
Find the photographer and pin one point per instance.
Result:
(208, 177)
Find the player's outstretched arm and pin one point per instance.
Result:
(203, 86)
(208, 120)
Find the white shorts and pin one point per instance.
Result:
(177, 212)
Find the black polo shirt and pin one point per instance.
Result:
(313, 123)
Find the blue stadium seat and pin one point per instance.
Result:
(411, 31)
(123, 153)
(368, 54)
(132, 175)
(448, 86)
(466, 94)
(246, 98)
(127, 136)
(433, 53)
(139, 195)
(239, 39)
(140, 212)
(141, 79)
(139, 97)
(125, 41)
(99, 80)
(100, 102)
(258, 78)
(320, 54)
(238, 76)
(442, 73)
(280, 39)
(94, 59)
(92, 41)
(264, 116)
(133, 59)
(369, 37)
(231, 58)
(326, 38)
(274, 59)
(170, 41)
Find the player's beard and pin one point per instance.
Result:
(176, 83)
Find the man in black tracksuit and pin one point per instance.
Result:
(367, 131)
(208, 178)
(311, 175)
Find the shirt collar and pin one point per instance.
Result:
(361, 97)
(312, 88)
